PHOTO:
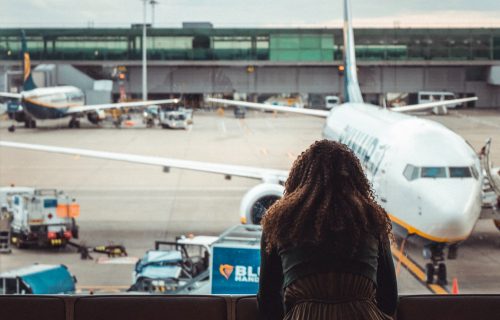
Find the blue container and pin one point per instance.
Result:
(235, 263)
(38, 279)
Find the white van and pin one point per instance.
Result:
(331, 101)
(432, 96)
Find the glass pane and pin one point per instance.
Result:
(460, 172)
(411, 172)
(433, 172)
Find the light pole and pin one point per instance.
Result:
(153, 3)
(144, 57)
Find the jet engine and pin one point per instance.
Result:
(257, 200)
(96, 116)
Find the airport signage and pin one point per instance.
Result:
(235, 270)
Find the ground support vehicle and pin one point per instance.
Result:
(38, 279)
(40, 217)
(235, 261)
(150, 116)
(183, 264)
(175, 117)
(228, 264)
(331, 102)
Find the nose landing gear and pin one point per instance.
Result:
(436, 268)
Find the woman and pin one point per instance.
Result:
(325, 251)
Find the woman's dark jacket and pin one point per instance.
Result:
(281, 267)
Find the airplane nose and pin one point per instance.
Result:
(453, 214)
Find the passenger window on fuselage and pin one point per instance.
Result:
(433, 172)
(460, 172)
(411, 172)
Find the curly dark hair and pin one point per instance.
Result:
(327, 200)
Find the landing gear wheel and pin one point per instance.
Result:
(30, 123)
(11, 128)
(441, 275)
(429, 270)
(74, 123)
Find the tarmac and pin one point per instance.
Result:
(134, 205)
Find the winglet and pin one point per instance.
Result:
(28, 83)
(352, 92)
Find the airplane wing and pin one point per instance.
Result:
(270, 107)
(430, 105)
(96, 107)
(11, 95)
(266, 175)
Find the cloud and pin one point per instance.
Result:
(441, 19)
(256, 13)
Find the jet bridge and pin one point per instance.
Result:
(491, 186)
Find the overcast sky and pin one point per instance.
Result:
(251, 13)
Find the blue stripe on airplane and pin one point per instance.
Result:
(42, 112)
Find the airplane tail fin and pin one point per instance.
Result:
(28, 83)
(352, 92)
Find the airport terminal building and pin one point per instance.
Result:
(198, 59)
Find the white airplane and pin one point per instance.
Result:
(427, 177)
(62, 101)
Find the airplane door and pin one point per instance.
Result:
(379, 178)
(380, 185)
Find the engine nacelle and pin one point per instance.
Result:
(96, 116)
(257, 200)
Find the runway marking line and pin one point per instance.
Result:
(417, 271)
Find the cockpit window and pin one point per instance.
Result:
(433, 172)
(460, 172)
(411, 172)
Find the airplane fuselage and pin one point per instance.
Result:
(425, 176)
(51, 103)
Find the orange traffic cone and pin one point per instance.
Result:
(454, 288)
